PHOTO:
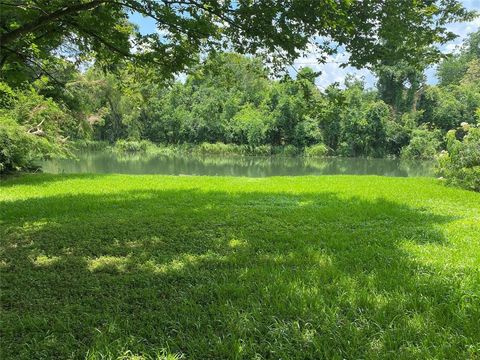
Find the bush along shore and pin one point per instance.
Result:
(147, 147)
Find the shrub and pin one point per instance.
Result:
(218, 148)
(30, 129)
(169, 150)
(318, 150)
(19, 149)
(460, 164)
(261, 150)
(423, 145)
(15, 146)
(92, 145)
(132, 146)
(287, 150)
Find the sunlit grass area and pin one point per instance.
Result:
(334, 267)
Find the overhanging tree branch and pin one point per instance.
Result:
(13, 35)
(29, 59)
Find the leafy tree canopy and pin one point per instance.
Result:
(453, 69)
(34, 33)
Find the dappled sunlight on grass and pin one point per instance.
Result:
(225, 268)
(44, 260)
(108, 264)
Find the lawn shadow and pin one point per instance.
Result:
(211, 274)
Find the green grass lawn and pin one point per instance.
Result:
(334, 267)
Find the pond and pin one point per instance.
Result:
(251, 166)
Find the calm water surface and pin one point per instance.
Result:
(252, 166)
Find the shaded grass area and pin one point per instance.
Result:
(327, 267)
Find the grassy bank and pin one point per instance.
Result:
(300, 267)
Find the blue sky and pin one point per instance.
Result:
(331, 71)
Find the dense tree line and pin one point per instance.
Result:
(231, 98)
